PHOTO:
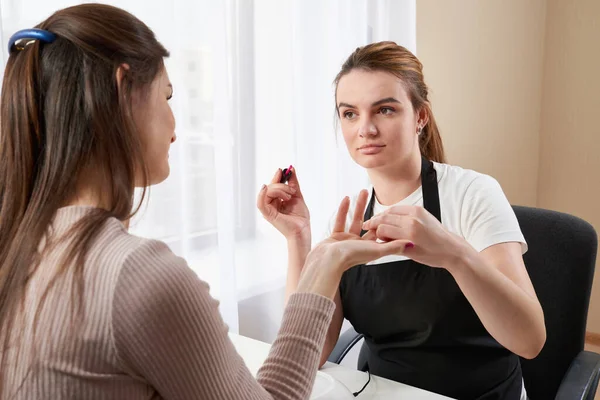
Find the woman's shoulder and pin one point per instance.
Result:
(134, 251)
(113, 246)
(146, 268)
(458, 182)
(449, 174)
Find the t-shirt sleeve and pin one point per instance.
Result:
(487, 218)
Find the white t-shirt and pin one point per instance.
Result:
(472, 205)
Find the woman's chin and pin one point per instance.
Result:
(156, 177)
(162, 176)
(370, 161)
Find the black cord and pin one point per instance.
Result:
(364, 387)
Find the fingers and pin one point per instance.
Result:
(359, 212)
(340, 219)
(261, 202)
(395, 247)
(280, 190)
(385, 233)
(268, 194)
(370, 235)
(405, 222)
(277, 176)
(277, 194)
(389, 232)
(293, 182)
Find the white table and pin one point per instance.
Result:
(255, 352)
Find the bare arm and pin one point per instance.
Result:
(498, 287)
(298, 249)
(494, 279)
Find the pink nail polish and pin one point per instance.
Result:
(409, 245)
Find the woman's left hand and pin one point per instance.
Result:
(433, 244)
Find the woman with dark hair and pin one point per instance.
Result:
(88, 311)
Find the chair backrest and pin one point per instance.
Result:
(560, 261)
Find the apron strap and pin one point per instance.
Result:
(369, 210)
(431, 196)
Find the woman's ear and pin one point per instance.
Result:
(423, 116)
(121, 71)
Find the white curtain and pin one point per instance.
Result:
(253, 92)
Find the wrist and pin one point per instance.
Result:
(301, 240)
(321, 273)
(298, 250)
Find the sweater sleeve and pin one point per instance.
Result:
(167, 331)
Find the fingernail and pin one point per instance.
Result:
(290, 167)
(263, 187)
(409, 245)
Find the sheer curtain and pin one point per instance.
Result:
(253, 92)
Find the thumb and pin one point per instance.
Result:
(395, 247)
(370, 235)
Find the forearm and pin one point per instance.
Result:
(290, 369)
(512, 316)
(333, 333)
(298, 249)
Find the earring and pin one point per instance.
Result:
(419, 130)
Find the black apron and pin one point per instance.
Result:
(420, 329)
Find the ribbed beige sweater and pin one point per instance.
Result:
(151, 331)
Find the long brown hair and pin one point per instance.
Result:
(397, 60)
(63, 115)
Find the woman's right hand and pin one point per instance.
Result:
(326, 263)
(284, 207)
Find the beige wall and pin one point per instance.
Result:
(570, 141)
(514, 86)
(483, 63)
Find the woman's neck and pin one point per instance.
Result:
(90, 197)
(393, 184)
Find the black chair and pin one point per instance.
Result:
(560, 261)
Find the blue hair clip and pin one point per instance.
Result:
(29, 35)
